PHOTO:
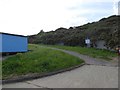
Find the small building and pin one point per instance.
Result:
(11, 43)
(100, 44)
(60, 43)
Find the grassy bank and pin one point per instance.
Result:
(93, 52)
(38, 60)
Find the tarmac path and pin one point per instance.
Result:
(97, 73)
(87, 76)
(90, 60)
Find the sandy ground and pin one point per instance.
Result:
(87, 76)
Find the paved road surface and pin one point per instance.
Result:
(90, 60)
(99, 74)
(87, 76)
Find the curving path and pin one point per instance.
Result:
(87, 76)
(101, 74)
(89, 60)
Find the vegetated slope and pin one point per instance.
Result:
(104, 29)
(39, 60)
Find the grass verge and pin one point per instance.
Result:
(39, 60)
(93, 52)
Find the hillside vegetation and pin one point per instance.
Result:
(105, 29)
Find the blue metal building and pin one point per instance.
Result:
(10, 43)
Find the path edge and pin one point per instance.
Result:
(36, 76)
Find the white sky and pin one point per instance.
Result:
(27, 17)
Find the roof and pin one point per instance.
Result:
(12, 34)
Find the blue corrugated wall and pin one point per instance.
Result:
(12, 43)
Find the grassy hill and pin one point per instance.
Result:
(105, 29)
(38, 61)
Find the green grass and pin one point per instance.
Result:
(39, 60)
(93, 52)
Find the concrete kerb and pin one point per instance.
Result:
(35, 76)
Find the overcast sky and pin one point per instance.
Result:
(27, 17)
